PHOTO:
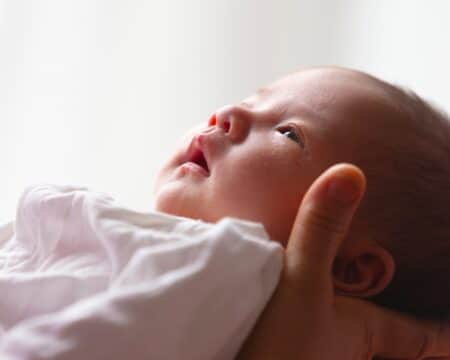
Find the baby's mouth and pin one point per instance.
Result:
(196, 156)
(199, 159)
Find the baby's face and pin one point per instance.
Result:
(263, 153)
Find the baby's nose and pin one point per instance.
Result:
(234, 120)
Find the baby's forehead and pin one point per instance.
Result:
(320, 84)
(329, 92)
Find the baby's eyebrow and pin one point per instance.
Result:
(263, 91)
(310, 113)
(245, 104)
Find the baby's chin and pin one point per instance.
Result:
(166, 204)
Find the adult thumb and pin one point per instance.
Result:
(321, 224)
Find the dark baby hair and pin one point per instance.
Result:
(407, 206)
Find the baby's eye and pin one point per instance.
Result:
(291, 133)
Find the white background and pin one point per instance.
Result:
(97, 92)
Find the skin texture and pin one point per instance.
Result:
(265, 152)
(258, 172)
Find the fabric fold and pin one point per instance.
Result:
(88, 278)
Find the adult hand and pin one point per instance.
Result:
(305, 320)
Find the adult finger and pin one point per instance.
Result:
(322, 222)
(399, 336)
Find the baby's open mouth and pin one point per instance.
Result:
(199, 159)
(196, 155)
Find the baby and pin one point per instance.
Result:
(256, 159)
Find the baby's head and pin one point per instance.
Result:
(257, 159)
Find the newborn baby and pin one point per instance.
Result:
(87, 278)
(256, 159)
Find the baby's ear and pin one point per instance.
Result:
(363, 271)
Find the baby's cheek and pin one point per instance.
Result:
(251, 183)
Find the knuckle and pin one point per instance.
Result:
(321, 219)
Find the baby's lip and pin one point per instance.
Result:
(197, 153)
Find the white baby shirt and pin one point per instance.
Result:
(82, 277)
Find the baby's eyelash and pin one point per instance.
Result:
(294, 134)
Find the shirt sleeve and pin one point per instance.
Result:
(196, 300)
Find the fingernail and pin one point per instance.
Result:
(343, 190)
